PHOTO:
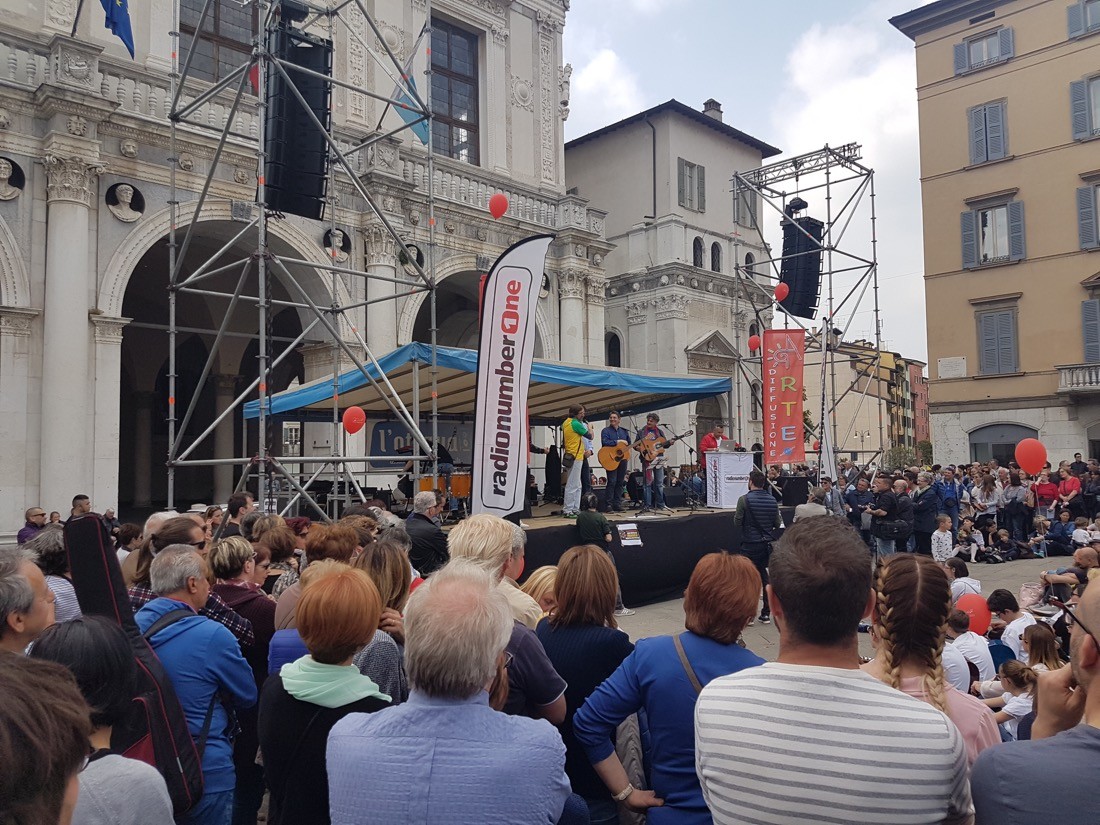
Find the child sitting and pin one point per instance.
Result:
(540, 587)
(1081, 536)
(968, 545)
(1018, 682)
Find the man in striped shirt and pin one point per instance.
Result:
(811, 738)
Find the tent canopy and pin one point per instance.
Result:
(554, 386)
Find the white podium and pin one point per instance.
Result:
(727, 478)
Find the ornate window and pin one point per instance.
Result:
(715, 257)
(754, 401)
(697, 252)
(225, 42)
(454, 92)
(614, 350)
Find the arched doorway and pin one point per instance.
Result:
(144, 395)
(998, 441)
(457, 307)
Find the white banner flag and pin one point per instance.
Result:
(505, 351)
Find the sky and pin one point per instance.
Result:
(798, 75)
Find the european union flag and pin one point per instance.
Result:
(118, 21)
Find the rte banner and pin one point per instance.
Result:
(784, 429)
(505, 350)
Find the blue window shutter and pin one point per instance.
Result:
(701, 181)
(1007, 44)
(1017, 248)
(976, 123)
(995, 131)
(987, 343)
(1079, 109)
(1006, 341)
(962, 61)
(1090, 329)
(1076, 15)
(969, 240)
(1087, 229)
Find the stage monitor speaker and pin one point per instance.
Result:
(800, 269)
(296, 168)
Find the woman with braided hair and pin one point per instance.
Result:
(908, 628)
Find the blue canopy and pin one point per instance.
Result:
(554, 386)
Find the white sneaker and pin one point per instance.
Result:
(625, 611)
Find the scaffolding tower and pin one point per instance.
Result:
(849, 271)
(253, 286)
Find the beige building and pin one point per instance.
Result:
(1009, 104)
(876, 398)
(674, 299)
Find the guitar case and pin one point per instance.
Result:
(156, 731)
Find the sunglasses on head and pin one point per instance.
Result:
(1070, 612)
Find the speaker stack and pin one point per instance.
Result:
(800, 268)
(296, 169)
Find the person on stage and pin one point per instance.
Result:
(611, 435)
(653, 472)
(575, 430)
(711, 442)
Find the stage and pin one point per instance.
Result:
(659, 569)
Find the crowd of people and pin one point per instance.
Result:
(379, 670)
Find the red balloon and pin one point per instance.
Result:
(1031, 455)
(754, 343)
(498, 205)
(354, 420)
(782, 291)
(975, 607)
(817, 445)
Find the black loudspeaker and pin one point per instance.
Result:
(296, 169)
(800, 269)
(796, 490)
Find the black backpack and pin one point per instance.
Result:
(156, 732)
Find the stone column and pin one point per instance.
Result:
(380, 258)
(597, 318)
(66, 457)
(571, 315)
(672, 332)
(636, 356)
(108, 378)
(498, 95)
(225, 390)
(18, 468)
(143, 447)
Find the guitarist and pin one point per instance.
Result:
(611, 435)
(653, 472)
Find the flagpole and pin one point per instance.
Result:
(76, 19)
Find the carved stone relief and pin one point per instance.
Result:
(125, 202)
(128, 148)
(70, 179)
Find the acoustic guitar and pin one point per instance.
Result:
(649, 448)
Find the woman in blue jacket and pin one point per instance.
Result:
(663, 676)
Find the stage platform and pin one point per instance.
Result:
(659, 569)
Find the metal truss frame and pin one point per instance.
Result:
(253, 284)
(849, 274)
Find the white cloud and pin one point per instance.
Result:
(855, 81)
(603, 91)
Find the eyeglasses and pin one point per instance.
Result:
(199, 545)
(1072, 619)
(507, 659)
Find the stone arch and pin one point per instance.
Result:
(151, 230)
(15, 285)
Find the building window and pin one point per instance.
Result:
(691, 179)
(697, 251)
(998, 441)
(754, 401)
(1084, 17)
(1088, 207)
(715, 257)
(225, 43)
(993, 235)
(1084, 96)
(984, 50)
(1090, 329)
(614, 350)
(997, 341)
(454, 92)
(988, 129)
(750, 265)
(744, 207)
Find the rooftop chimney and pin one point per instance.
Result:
(712, 108)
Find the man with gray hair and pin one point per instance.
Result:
(429, 543)
(26, 602)
(206, 667)
(445, 755)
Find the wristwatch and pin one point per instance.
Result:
(624, 793)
